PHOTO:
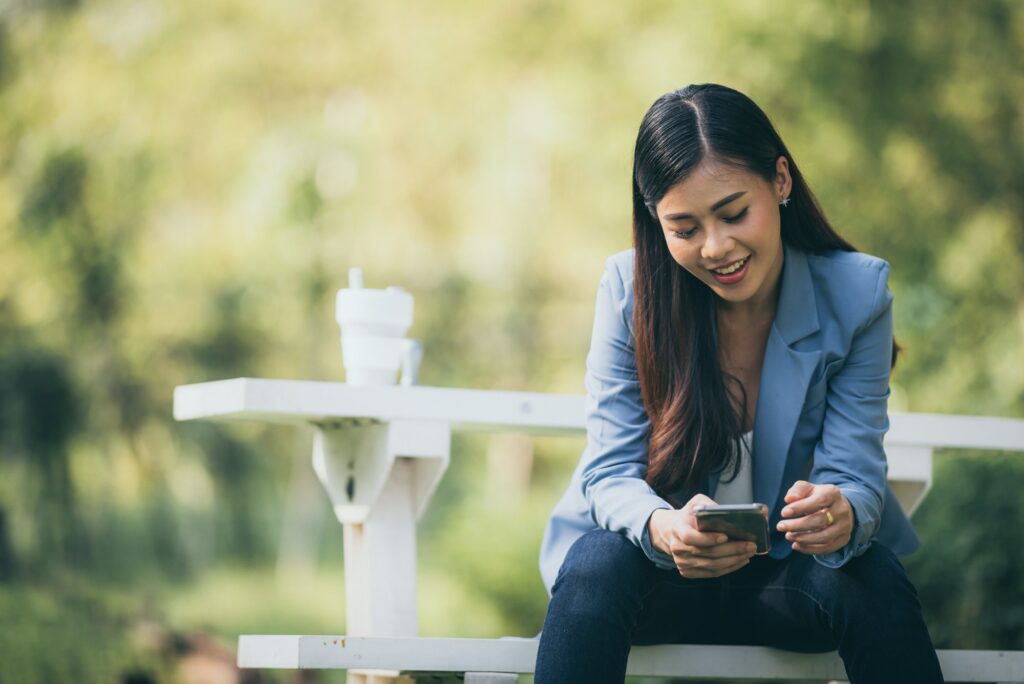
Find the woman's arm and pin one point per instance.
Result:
(849, 454)
(616, 454)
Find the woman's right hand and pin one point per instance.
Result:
(696, 554)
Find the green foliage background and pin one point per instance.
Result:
(184, 185)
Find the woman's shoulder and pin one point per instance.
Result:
(618, 272)
(845, 269)
(855, 283)
(620, 265)
(618, 278)
(848, 261)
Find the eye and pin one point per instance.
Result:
(684, 234)
(737, 218)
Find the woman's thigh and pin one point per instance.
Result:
(677, 610)
(793, 603)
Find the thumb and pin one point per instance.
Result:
(799, 490)
(699, 500)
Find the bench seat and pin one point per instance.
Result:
(518, 655)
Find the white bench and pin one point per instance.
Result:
(380, 453)
(495, 661)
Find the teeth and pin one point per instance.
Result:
(735, 267)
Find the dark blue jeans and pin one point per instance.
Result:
(609, 596)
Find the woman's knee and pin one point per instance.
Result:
(879, 572)
(872, 587)
(601, 562)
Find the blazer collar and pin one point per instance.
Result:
(796, 314)
(785, 376)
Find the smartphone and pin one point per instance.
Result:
(740, 522)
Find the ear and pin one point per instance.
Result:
(783, 181)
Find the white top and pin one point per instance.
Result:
(741, 489)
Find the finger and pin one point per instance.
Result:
(694, 537)
(817, 548)
(698, 500)
(733, 548)
(699, 573)
(737, 565)
(734, 564)
(799, 490)
(692, 573)
(823, 497)
(715, 565)
(825, 536)
(693, 567)
(814, 521)
(725, 562)
(699, 562)
(689, 510)
(811, 504)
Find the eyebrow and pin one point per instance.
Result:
(720, 203)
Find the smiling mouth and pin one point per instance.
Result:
(732, 268)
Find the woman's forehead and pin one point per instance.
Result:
(716, 174)
(707, 184)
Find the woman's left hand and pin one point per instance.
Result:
(806, 523)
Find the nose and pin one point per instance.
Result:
(718, 244)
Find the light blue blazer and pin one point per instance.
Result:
(820, 416)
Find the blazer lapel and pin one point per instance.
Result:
(785, 375)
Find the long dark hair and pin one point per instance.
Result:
(696, 425)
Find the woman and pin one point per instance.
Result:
(741, 352)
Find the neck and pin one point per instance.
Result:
(745, 317)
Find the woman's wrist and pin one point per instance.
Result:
(654, 526)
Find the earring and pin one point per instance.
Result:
(784, 202)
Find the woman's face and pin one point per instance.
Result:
(719, 216)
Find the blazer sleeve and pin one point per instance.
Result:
(850, 453)
(612, 477)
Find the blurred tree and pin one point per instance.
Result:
(6, 56)
(930, 177)
(40, 412)
(969, 567)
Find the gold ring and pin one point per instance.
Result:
(828, 516)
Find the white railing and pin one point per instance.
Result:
(380, 453)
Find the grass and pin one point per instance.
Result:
(237, 600)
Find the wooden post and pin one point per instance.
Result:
(379, 477)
